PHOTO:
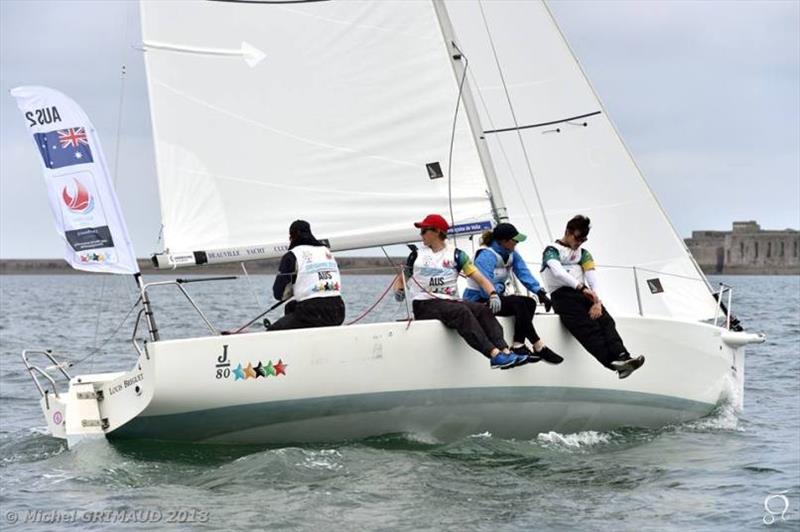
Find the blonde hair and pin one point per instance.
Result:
(486, 238)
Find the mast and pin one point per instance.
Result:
(495, 194)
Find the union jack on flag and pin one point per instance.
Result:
(72, 137)
(64, 147)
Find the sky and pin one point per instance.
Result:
(706, 94)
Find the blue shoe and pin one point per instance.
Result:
(506, 360)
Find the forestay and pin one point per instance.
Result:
(575, 166)
(339, 113)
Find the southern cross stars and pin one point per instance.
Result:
(260, 370)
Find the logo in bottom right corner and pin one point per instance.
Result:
(775, 505)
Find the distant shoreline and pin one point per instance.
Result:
(348, 266)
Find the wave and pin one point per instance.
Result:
(577, 440)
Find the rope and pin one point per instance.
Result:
(116, 329)
(250, 286)
(452, 142)
(514, 117)
(114, 176)
(370, 309)
(510, 168)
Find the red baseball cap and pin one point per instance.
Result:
(434, 221)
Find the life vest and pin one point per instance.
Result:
(502, 269)
(574, 261)
(317, 273)
(434, 275)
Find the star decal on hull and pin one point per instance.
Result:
(261, 369)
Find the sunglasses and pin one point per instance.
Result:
(425, 230)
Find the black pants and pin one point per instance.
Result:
(522, 308)
(473, 321)
(599, 336)
(314, 312)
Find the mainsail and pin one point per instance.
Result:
(557, 154)
(340, 113)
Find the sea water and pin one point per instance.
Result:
(721, 472)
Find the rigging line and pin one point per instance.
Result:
(639, 268)
(542, 124)
(628, 151)
(510, 167)
(401, 274)
(370, 309)
(250, 285)
(101, 309)
(109, 337)
(516, 123)
(452, 142)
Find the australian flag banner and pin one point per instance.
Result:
(64, 147)
(82, 197)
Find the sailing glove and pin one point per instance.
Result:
(544, 300)
(495, 303)
(399, 295)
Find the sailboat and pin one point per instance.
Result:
(363, 117)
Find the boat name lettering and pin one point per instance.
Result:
(223, 254)
(134, 380)
(45, 115)
(255, 251)
(282, 247)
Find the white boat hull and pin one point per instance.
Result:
(366, 380)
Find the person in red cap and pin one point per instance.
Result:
(432, 276)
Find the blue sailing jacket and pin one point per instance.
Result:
(486, 263)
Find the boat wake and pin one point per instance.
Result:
(578, 440)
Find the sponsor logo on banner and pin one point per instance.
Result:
(90, 238)
(474, 227)
(80, 190)
(77, 198)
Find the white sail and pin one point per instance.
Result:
(551, 169)
(327, 111)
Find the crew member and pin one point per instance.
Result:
(496, 260)
(308, 273)
(568, 271)
(432, 282)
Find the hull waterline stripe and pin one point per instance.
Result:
(204, 424)
(530, 126)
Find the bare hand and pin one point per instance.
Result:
(589, 294)
(596, 311)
